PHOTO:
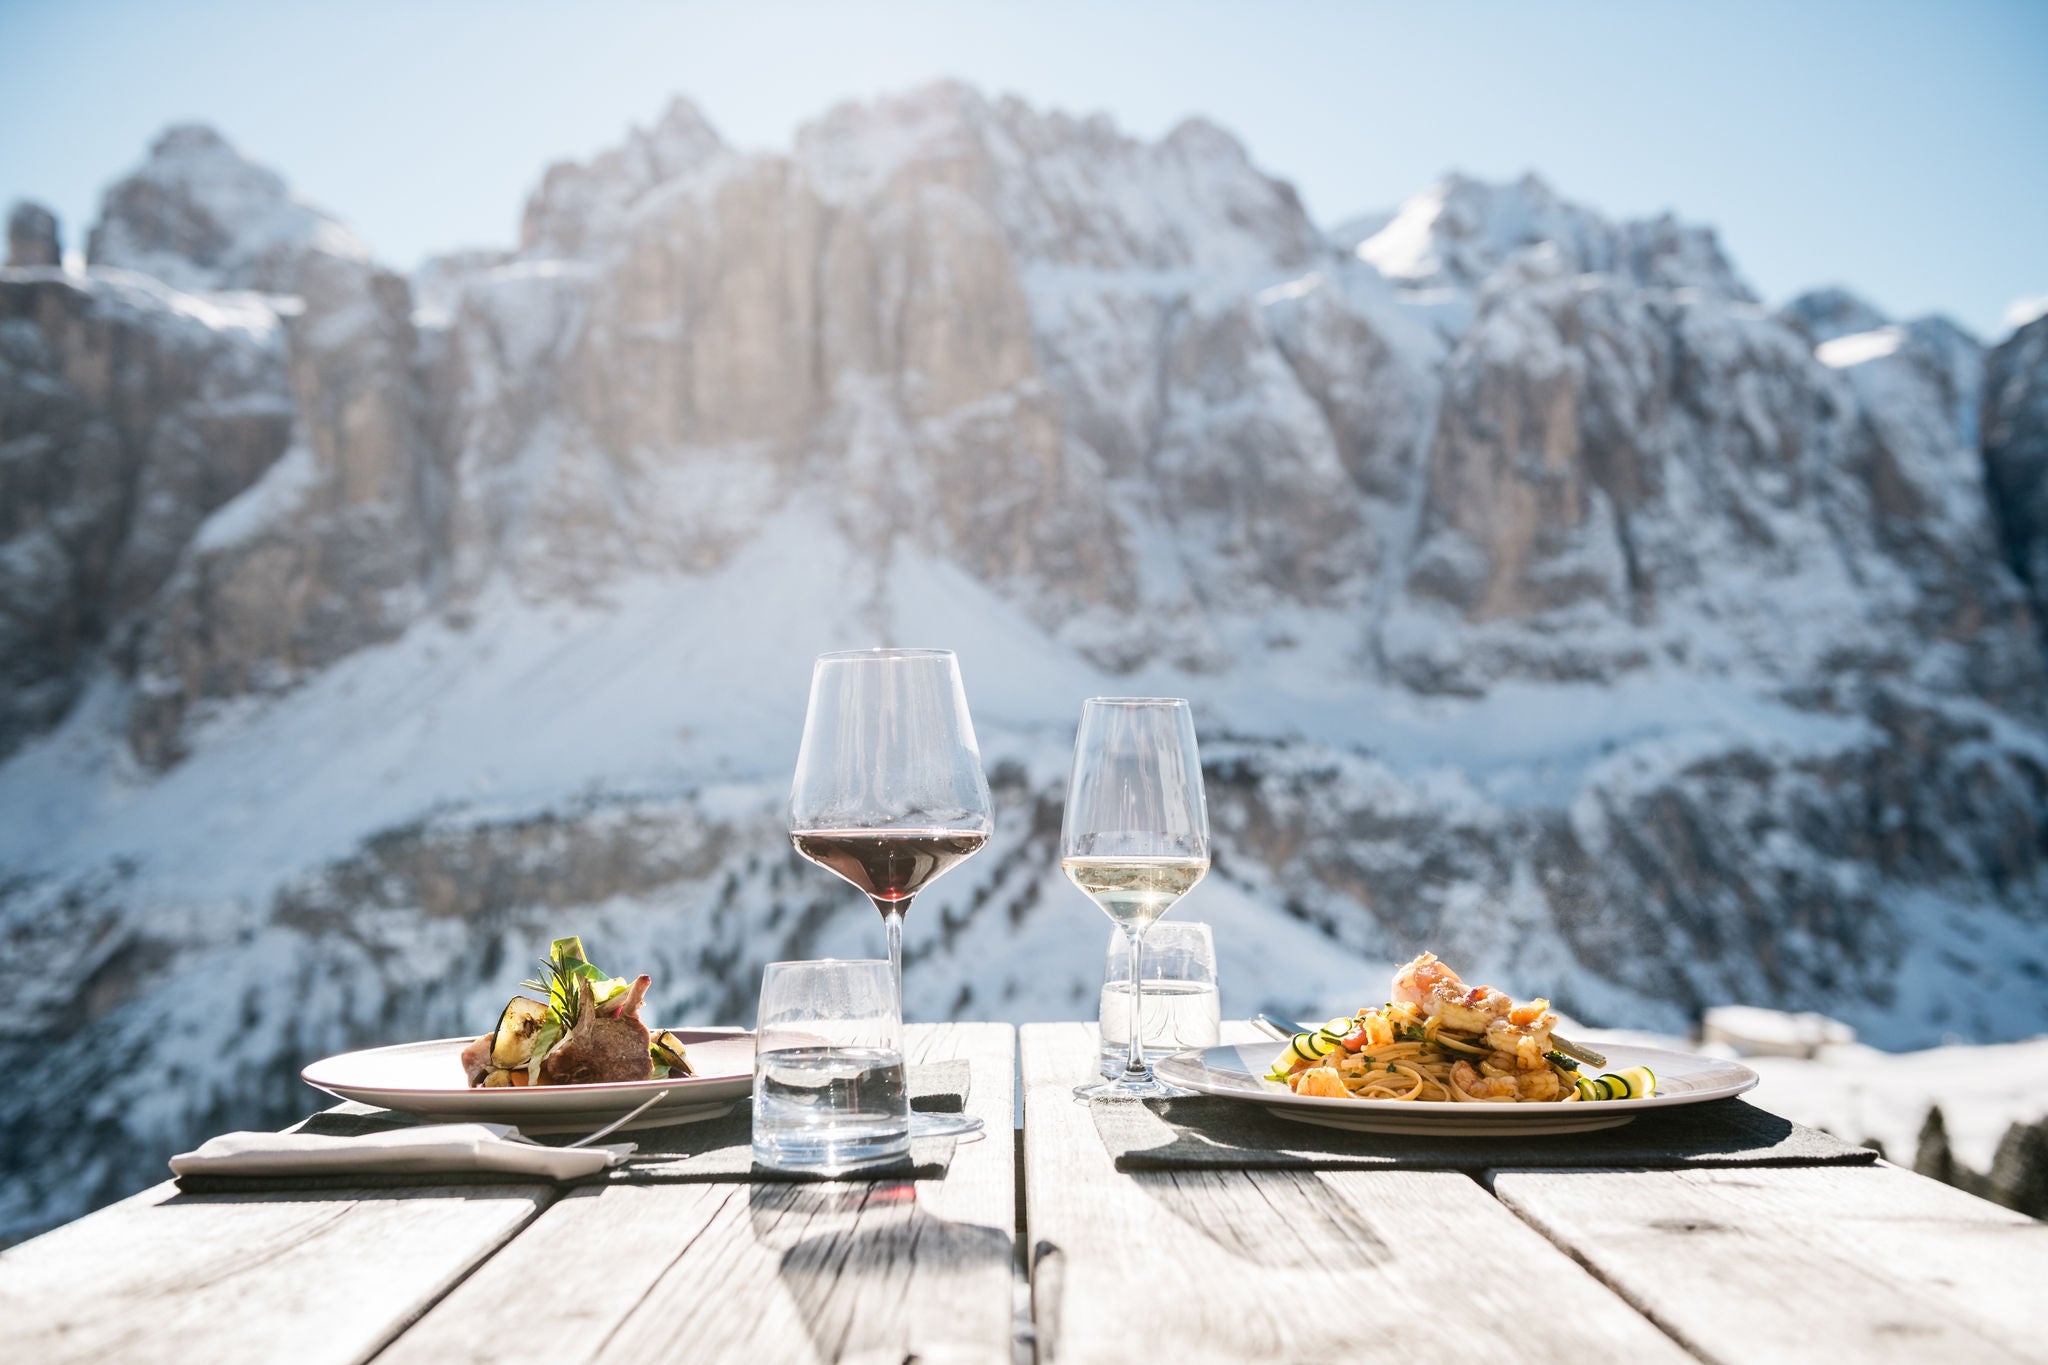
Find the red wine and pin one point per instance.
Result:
(889, 864)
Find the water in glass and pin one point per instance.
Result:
(829, 1092)
(1181, 1008)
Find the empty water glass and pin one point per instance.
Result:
(829, 1093)
(1181, 1005)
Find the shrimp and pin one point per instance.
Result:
(1524, 1034)
(1420, 979)
(1320, 1080)
(1517, 1050)
(1434, 988)
(1478, 1087)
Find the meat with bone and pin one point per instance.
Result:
(608, 1044)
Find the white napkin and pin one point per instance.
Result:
(437, 1147)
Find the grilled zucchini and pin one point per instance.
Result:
(517, 1028)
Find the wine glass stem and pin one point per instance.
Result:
(892, 922)
(1135, 1068)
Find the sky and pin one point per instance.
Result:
(1900, 149)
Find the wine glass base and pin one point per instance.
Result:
(1146, 1087)
(943, 1125)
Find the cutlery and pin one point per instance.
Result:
(606, 1131)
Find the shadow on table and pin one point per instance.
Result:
(847, 1251)
(1205, 1200)
(1219, 1134)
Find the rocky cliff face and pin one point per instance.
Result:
(2015, 432)
(128, 414)
(1546, 600)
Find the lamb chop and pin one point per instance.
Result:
(476, 1059)
(607, 1045)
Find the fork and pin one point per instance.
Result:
(606, 1131)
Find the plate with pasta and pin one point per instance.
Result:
(1441, 1056)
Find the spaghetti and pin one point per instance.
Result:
(1439, 1040)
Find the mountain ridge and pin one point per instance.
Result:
(1546, 600)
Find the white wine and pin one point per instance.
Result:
(1135, 891)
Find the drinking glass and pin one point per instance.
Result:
(1181, 1006)
(889, 793)
(829, 1093)
(1135, 837)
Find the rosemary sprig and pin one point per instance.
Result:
(558, 990)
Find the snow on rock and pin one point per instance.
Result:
(1857, 347)
(1825, 315)
(1544, 601)
(1071, 192)
(578, 206)
(198, 215)
(1753, 1032)
(1864, 1095)
(129, 412)
(2015, 438)
(1460, 231)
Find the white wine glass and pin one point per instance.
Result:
(1135, 838)
(889, 793)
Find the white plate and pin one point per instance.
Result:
(426, 1079)
(1238, 1072)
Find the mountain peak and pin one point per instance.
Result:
(33, 238)
(579, 203)
(1828, 313)
(1200, 136)
(856, 146)
(1462, 229)
(199, 215)
(188, 140)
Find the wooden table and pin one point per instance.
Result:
(1820, 1263)
(1858, 1263)
(641, 1273)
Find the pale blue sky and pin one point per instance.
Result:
(1899, 148)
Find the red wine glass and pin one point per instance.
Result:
(889, 794)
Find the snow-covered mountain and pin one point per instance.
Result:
(1546, 600)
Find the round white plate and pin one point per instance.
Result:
(1238, 1072)
(426, 1079)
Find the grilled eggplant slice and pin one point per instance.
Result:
(517, 1027)
(667, 1050)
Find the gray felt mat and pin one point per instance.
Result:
(1221, 1134)
(714, 1149)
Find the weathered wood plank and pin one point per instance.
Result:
(1285, 1265)
(166, 1277)
(762, 1272)
(1862, 1263)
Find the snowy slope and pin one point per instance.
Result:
(1544, 600)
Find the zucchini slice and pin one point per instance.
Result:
(522, 1019)
(1636, 1083)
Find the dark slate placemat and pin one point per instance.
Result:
(709, 1150)
(1210, 1133)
